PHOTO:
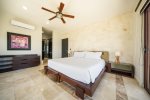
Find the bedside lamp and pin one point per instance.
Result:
(117, 55)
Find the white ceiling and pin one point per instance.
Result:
(85, 11)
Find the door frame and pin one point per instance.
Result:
(146, 50)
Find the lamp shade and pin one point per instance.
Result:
(117, 53)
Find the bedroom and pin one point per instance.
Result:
(99, 25)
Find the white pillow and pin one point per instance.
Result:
(93, 55)
(79, 54)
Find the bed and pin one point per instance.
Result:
(81, 72)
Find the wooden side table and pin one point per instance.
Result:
(122, 68)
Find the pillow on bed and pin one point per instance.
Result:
(79, 54)
(93, 55)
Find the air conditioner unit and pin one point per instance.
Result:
(21, 24)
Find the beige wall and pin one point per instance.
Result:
(115, 34)
(56, 44)
(5, 26)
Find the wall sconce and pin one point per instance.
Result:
(117, 55)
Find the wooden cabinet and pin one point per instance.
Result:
(14, 62)
(24, 61)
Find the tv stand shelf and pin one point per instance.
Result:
(13, 62)
(6, 62)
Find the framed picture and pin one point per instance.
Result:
(18, 41)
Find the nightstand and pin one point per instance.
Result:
(122, 68)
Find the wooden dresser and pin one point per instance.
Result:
(13, 62)
(25, 61)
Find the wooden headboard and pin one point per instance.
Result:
(105, 54)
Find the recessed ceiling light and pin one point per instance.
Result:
(24, 7)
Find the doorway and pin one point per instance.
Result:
(46, 45)
(47, 48)
(65, 47)
(147, 49)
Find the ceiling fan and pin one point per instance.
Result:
(59, 13)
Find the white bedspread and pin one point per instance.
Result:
(82, 69)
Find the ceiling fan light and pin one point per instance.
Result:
(59, 15)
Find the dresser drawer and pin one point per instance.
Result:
(21, 65)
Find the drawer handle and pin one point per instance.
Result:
(23, 63)
(24, 59)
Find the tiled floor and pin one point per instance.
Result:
(31, 84)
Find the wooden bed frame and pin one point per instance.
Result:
(81, 88)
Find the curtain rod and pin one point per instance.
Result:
(145, 6)
(138, 5)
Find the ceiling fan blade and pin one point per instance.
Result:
(48, 10)
(61, 7)
(63, 20)
(52, 18)
(70, 16)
